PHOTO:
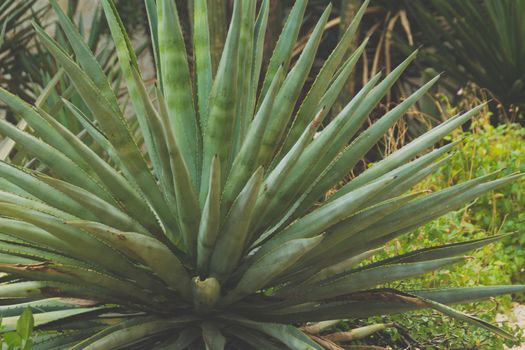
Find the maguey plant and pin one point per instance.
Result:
(224, 222)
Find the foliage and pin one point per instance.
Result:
(22, 337)
(476, 41)
(16, 35)
(484, 149)
(209, 226)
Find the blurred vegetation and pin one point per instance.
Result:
(476, 41)
(17, 47)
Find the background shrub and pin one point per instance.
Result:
(485, 148)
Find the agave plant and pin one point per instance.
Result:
(15, 44)
(479, 42)
(216, 231)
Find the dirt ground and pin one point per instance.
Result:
(517, 317)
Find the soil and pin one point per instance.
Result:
(516, 317)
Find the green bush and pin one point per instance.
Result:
(484, 149)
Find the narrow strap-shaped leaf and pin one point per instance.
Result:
(322, 256)
(323, 79)
(129, 66)
(413, 172)
(441, 251)
(112, 286)
(47, 133)
(40, 190)
(231, 241)
(426, 209)
(103, 211)
(270, 266)
(150, 251)
(212, 336)
(461, 316)
(389, 163)
(177, 86)
(120, 189)
(318, 155)
(117, 131)
(187, 204)
(153, 21)
(55, 160)
(362, 144)
(323, 218)
(61, 340)
(385, 301)
(110, 329)
(37, 255)
(85, 56)
(292, 337)
(98, 136)
(467, 294)
(38, 306)
(34, 289)
(44, 318)
(412, 149)
(35, 236)
(129, 335)
(330, 96)
(219, 126)
(333, 270)
(245, 163)
(202, 56)
(353, 282)
(155, 125)
(243, 110)
(413, 213)
(84, 246)
(261, 24)
(145, 215)
(282, 53)
(210, 219)
(290, 91)
(273, 183)
(35, 204)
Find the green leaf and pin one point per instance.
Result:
(263, 270)
(219, 126)
(282, 53)
(288, 335)
(235, 230)
(210, 219)
(24, 325)
(245, 163)
(321, 219)
(202, 54)
(115, 128)
(148, 250)
(44, 318)
(461, 316)
(367, 278)
(289, 93)
(324, 78)
(129, 67)
(177, 87)
(213, 338)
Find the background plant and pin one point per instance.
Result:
(485, 148)
(16, 44)
(477, 42)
